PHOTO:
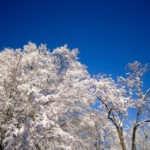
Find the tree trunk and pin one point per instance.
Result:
(121, 137)
(1, 147)
(133, 147)
(120, 132)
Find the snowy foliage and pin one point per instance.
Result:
(37, 89)
(47, 99)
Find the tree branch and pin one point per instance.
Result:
(146, 94)
(142, 122)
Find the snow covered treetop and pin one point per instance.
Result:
(37, 89)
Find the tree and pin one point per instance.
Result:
(47, 102)
(39, 92)
(124, 95)
(99, 131)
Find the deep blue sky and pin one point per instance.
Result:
(108, 33)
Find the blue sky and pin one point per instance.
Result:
(108, 33)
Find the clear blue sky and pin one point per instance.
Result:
(108, 33)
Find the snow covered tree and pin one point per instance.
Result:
(125, 95)
(47, 98)
(39, 93)
(99, 132)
